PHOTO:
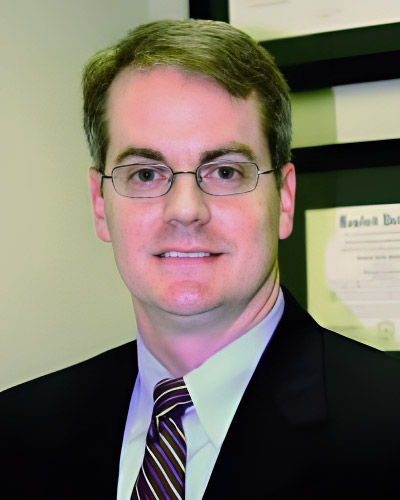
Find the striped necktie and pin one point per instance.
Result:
(162, 475)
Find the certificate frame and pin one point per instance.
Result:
(339, 175)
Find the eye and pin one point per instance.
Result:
(225, 172)
(146, 174)
(222, 172)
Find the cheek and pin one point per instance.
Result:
(254, 227)
(266, 232)
(129, 227)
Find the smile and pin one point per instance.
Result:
(186, 254)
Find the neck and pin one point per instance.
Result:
(182, 343)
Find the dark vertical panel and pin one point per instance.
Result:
(217, 10)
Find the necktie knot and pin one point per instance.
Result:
(171, 397)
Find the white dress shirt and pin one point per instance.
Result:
(216, 391)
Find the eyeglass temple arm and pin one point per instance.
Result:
(101, 181)
(266, 171)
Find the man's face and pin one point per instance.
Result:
(164, 116)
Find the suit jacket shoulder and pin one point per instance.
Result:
(62, 433)
(317, 420)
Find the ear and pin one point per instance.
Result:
(288, 191)
(100, 221)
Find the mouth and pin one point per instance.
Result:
(174, 253)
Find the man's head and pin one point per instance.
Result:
(194, 261)
(212, 49)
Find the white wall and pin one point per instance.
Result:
(61, 299)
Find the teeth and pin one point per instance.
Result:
(184, 254)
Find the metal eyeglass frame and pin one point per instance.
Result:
(195, 173)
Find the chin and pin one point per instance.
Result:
(188, 306)
(189, 301)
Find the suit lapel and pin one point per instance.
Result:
(285, 395)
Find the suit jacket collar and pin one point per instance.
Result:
(293, 364)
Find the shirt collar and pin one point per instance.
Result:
(216, 408)
(151, 371)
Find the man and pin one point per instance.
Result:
(188, 123)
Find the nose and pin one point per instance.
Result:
(186, 203)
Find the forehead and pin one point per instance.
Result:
(167, 109)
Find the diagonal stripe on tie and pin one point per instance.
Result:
(162, 475)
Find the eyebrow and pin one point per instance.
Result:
(231, 148)
(205, 157)
(148, 153)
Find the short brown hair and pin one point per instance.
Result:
(213, 49)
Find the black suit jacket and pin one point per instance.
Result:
(319, 419)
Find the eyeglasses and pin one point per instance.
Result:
(217, 178)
